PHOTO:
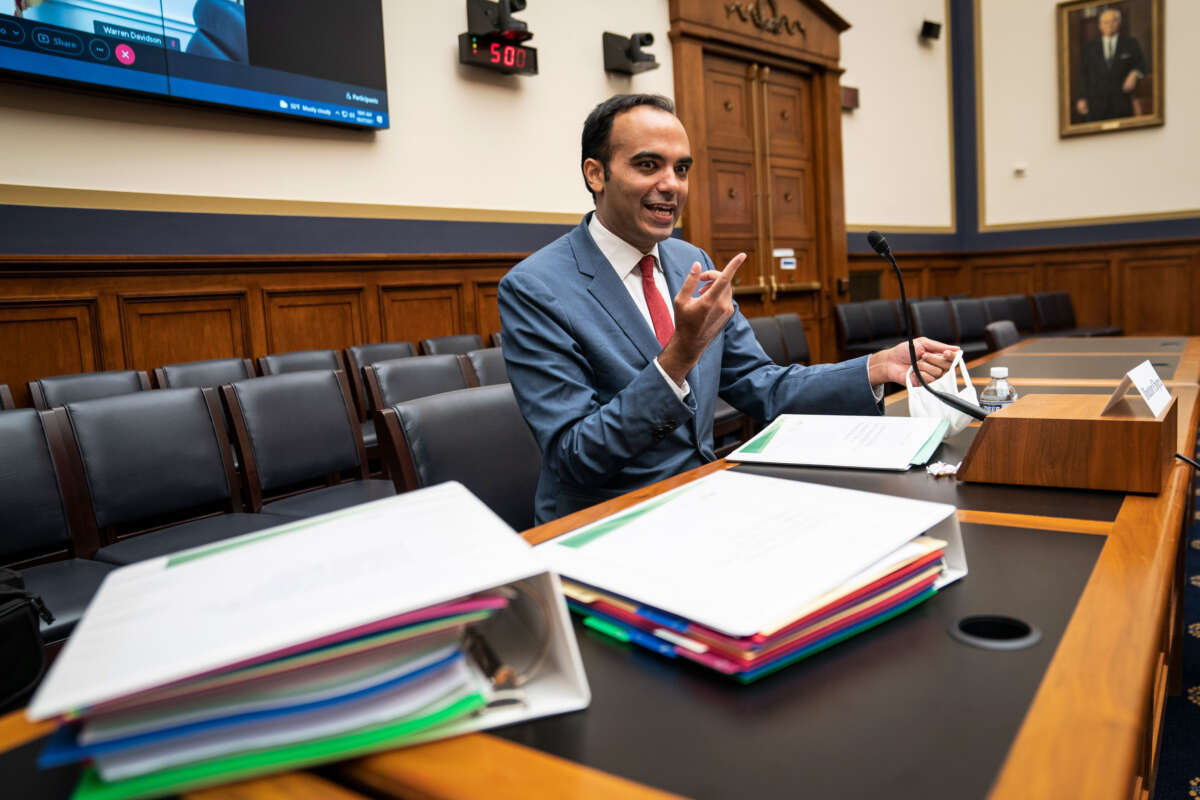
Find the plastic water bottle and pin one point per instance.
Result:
(998, 393)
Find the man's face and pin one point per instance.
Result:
(646, 188)
(1110, 21)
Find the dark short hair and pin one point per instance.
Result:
(597, 128)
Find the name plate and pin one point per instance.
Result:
(1149, 386)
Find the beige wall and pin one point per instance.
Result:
(898, 144)
(460, 137)
(1147, 171)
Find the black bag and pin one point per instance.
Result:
(22, 654)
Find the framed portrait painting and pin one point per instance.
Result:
(1110, 65)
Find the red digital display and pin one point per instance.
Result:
(497, 52)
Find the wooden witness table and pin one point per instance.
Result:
(1090, 724)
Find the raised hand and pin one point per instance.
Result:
(699, 316)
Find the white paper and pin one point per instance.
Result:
(842, 441)
(1149, 386)
(738, 553)
(151, 624)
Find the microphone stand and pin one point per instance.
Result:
(881, 247)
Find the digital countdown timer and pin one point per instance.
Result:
(497, 52)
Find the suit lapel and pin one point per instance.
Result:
(676, 272)
(610, 293)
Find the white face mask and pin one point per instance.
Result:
(922, 404)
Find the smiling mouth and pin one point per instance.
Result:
(662, 211)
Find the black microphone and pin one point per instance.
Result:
(880, 245)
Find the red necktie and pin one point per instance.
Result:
(660, 315)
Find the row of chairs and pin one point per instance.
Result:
(971, 323)
(426, 374)
(99, 483)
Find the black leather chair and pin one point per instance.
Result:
(157, 472)
(1001, 334)
(215, 372)
(795, 342)
(298, 436)
(1020, 312)
(487, 367)
(391, 382)
(300, 361)
(35, 525)
(475, 436)
(6, 398)
(362, 355)
(996, 308)
(459, 344)
(62, 389)
(769, 335)
(1056, 315)
(970, 320)
(887, 323)
(323, 361)
(853, 329)
(1050, 314)
(931, 318)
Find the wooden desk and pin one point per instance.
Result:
(1090, 730)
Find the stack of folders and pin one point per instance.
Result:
(404, 620)
(747, 574)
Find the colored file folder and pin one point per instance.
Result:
(747, 574)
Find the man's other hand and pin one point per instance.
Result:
(699, 317)
(933, 360)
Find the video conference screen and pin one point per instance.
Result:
(305, 58)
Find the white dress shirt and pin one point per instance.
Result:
(624, 258)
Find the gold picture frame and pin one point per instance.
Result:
(1114, 82)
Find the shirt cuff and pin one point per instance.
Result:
(680, 391)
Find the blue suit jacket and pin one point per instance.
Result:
(580, 359)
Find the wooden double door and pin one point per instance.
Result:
(760, 176)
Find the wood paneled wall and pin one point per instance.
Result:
(61, 315)
(1148, 288)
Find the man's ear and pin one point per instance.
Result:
(593, 173)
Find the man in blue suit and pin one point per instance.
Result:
(617, 383)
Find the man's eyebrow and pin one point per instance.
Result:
(686, 161)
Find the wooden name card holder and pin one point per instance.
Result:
(1063, 441)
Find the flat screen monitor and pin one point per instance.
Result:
(314, 59)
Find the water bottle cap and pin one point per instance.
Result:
(999, 372)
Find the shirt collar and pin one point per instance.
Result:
(623, 256)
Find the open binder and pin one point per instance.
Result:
(404, 620)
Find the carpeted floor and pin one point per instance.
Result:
(1179, 761)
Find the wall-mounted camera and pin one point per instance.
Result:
(487, 17)
(625, 53)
